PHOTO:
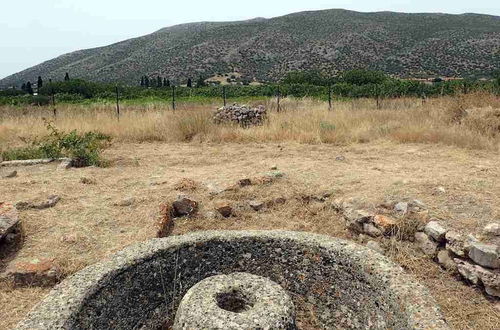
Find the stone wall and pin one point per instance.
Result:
(347, 285)
(475, 258)
(242, 115)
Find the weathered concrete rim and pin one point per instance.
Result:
(65, 300)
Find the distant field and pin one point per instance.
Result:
(469, 121)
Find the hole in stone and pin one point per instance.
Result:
(233, 301)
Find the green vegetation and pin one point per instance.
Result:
(85, 149)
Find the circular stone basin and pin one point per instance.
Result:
(342, 284)
(236, 301)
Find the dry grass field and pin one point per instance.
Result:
(405, 150)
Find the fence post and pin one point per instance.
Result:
(54, 111)
(465, 87)
(329, 97)
(117, 103)
(279, 96)
(173, 97)
(224, 94)
(377, 93)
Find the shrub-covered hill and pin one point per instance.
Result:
(265, 49)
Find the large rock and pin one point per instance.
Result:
(9, 219)
(36, 272)
(428, 246)
(467, 270)
(184, 206)
(486, 255)
(436, 231)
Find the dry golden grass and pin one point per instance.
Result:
(442, 120)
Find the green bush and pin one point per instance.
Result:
(85, 149)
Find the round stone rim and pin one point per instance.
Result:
(270, 306)
(57, 309)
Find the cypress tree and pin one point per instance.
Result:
(39, 83)
(158, 82)
(146, 81)
(164, 82)
(28, 88)
(189, 83)
(23, 87)
(167, 83)
(66, 77)
(142, 81)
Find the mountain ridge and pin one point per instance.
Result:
(332, 40)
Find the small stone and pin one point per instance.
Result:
(65, 164)
(274, 168)
(371, 230)
(224, 209)
(375, 247)
(276, 174)
(441, 190)
(384, 223)
(418, 203)
(356, 218)
(486, 255)
(214, 189)
(401, 207)
(12, 174)
(125, 202)
(492, 229)
(37, 272)
(70, 238)
(256, 205)
(186, 184)
(436, 231)
(445, 259)
(244, 182)
(340, 158)
(87, 181)
(184, 206)
(425, 244)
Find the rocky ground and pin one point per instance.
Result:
(75, 217)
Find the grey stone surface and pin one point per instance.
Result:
(401, 207)
(467, 270)
(455, 242)
(435, 230)
(184, 206)
(445, 259)
(486, 255)
(9, 219)
(235, 301)
(256, 205)
(371, 230)
(492, 229)
(425, 244)
(11, 174)
(51, 201)
(348, 285)
(375, 246)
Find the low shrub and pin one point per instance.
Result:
(85, 149)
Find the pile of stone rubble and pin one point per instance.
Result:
(242, 115)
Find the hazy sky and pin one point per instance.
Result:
(33, 31)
